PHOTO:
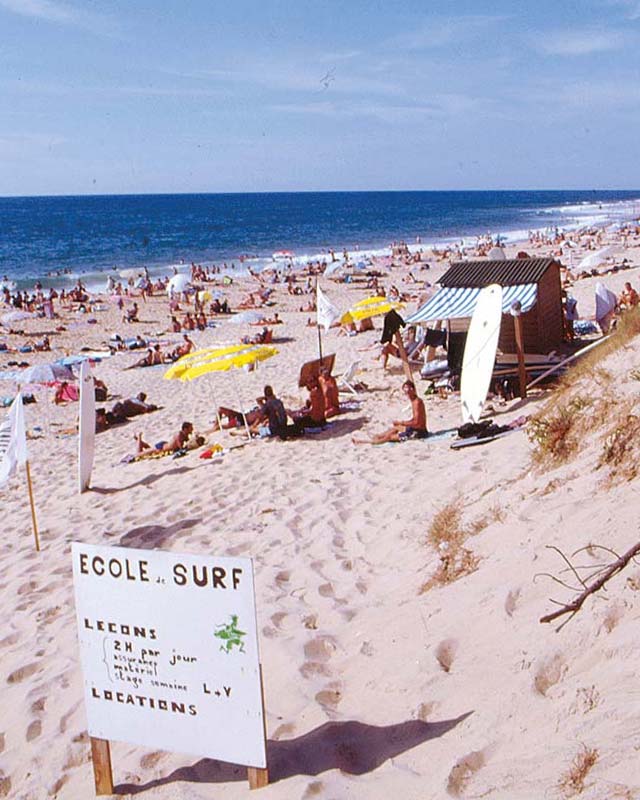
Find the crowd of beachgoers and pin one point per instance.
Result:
(372, 683)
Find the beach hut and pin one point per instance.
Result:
(533, 282)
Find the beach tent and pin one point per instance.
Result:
(533, 282)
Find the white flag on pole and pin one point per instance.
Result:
(13, 440)
(327, 312)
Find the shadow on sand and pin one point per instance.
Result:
(351, 747)
(153, 536)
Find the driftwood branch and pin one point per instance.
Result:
(613, 569)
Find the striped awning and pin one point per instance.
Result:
(457, 303)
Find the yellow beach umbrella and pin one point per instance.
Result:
(219, 359)
(370, 307)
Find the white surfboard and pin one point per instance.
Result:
(87, 428)
(480, 352)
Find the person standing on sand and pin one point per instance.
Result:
(403, 430)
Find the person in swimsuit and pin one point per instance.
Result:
(403, 430)
(177, 442)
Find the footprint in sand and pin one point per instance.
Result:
(445, 653)
(511, 601)
(34, 730)
(313, 789)
(424, 712)
(283, 577)
(548, 673)
(278, 618)
(330, 697)
(311, 669)
(149, 760)
(463, 771)
(9, 640)
(326, 590)
(5, 785)
(311, 622)
(22, 673)
(321, 648)
(283, 730)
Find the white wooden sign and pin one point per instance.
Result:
(169, 651)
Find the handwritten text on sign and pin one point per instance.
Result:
(170, 652)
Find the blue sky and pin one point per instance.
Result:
(167, 96)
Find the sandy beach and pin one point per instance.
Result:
(378, 679)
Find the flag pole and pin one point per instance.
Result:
(33, 507)
(318, 321)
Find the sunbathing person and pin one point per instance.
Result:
(133, 406)
(235, 419)
(264, 337)
(403, 430)
(145, 361)
(329, 387)
(177, 442)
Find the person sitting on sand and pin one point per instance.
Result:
(145, 361)
(177, 442)
(629, 297)
(411, 346)
(100, 389)
(176, 327)
(158, 358)
(42, 346)
(272, 411)
(312, 415)
(132, 314)
(182, 349)
(403, 430)
(329, 387)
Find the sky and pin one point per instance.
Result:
(117, 97)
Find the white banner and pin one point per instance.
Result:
(13, 440)
(327, 312)
(169, 651)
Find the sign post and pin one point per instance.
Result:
(169, 652)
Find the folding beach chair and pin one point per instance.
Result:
(347, 379)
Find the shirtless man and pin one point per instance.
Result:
(402, 430)
(177, 442)
(182, 349)
(329, 387)
(629, 297)
(313, 413)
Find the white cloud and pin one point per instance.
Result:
(579, 42)
(59, 14)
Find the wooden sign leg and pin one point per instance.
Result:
(101, 757)
(258, 777)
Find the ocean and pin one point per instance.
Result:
(61, 239)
